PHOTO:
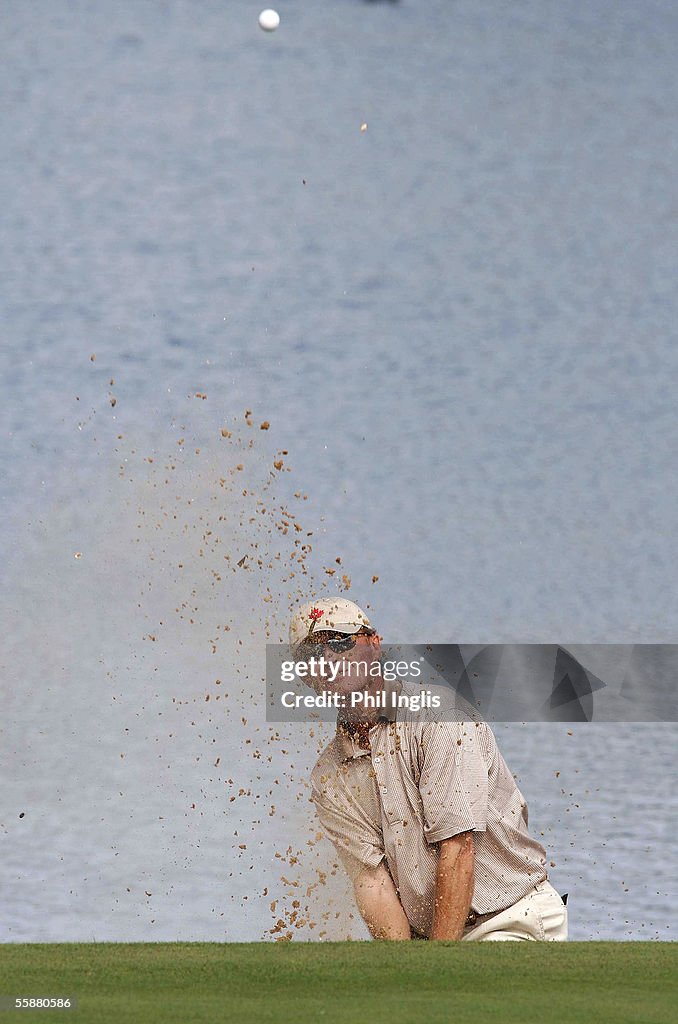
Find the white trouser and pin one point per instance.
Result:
(541, 915)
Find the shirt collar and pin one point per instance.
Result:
(349, 748)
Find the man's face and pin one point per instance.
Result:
(348, 670)
(356, 668)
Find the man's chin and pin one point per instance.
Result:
(360, 715)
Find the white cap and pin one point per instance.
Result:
(335, 613)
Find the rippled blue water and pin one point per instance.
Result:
(461, 323)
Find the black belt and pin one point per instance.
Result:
(474, 918)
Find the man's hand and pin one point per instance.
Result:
(379, 904)
(454, 886)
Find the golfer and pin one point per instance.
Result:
(425, 815)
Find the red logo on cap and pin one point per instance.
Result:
(314, 615)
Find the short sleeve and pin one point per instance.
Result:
(453, 783)
(351, 865)
(357, 841)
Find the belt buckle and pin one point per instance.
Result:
(471, 919)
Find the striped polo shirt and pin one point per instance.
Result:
(421, 781)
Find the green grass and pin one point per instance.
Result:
(342, 982)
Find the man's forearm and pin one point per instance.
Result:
(379, 904)
(454, 886)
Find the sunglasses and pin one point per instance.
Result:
(338, 643)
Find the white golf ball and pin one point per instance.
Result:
(269, 20)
